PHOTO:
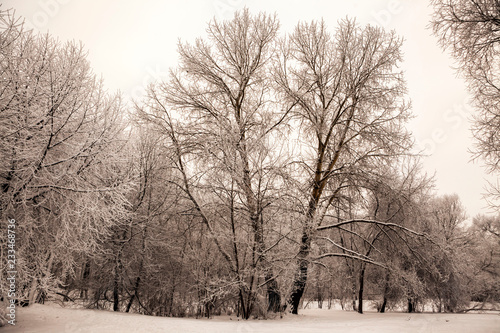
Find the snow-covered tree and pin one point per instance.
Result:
(61, 144)
(218, 114)
(349, 103)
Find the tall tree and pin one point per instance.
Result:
(217, 112)
(350, 110)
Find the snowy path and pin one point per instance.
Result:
(53, 319)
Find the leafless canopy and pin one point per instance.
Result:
(470, 30)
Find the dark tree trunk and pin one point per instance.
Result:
(411, 305)
(360, 290)
(116, 300)
(141, 266)
(84, 280)
(383, 306)
(242, 307)
(132, 298)
(116, 285)
(386, 289)
(273, 295)
(354, 305)
(300, 280)
(299, 284)
(41, 297)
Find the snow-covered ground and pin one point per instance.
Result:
(54, 319)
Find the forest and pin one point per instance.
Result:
(270, 170)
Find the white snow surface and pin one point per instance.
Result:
(54, 319)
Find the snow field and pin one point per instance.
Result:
(54, 319)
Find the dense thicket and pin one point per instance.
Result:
(62, 161)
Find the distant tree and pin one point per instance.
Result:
(484, 262)
(394, 197)
(489, 225)
(446, 282)
(448, 215)
(470, 30)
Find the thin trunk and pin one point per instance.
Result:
(141, 266)
(32, 293)
(134, 295)
(273, 294)
(250, 298)
(386, 290)
(360, 290)
(170, 302)
(84, 280)
(116, 300)
(116, 284)
(319, 291)
(242, 305)
(241, 299)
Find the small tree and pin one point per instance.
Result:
(484, 259)
(444, 269)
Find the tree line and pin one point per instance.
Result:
(267, 171)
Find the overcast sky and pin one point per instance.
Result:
(132, 43)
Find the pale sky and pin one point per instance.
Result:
(132, 43)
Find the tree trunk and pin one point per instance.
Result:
(116, 286)
(384, 304)
(256, 221)
(273, 295)
(319, 290)
(84, 280)
(132, 298)
(386, 289)
(141, 266)
(300, 280)
(241, 305)
(360, 290)
(353, 291)
(299, 283)
(411, 305)
(116, 300)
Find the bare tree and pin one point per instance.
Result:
(217, 112)
(350, 110)
(470, 30)
(445, 275)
